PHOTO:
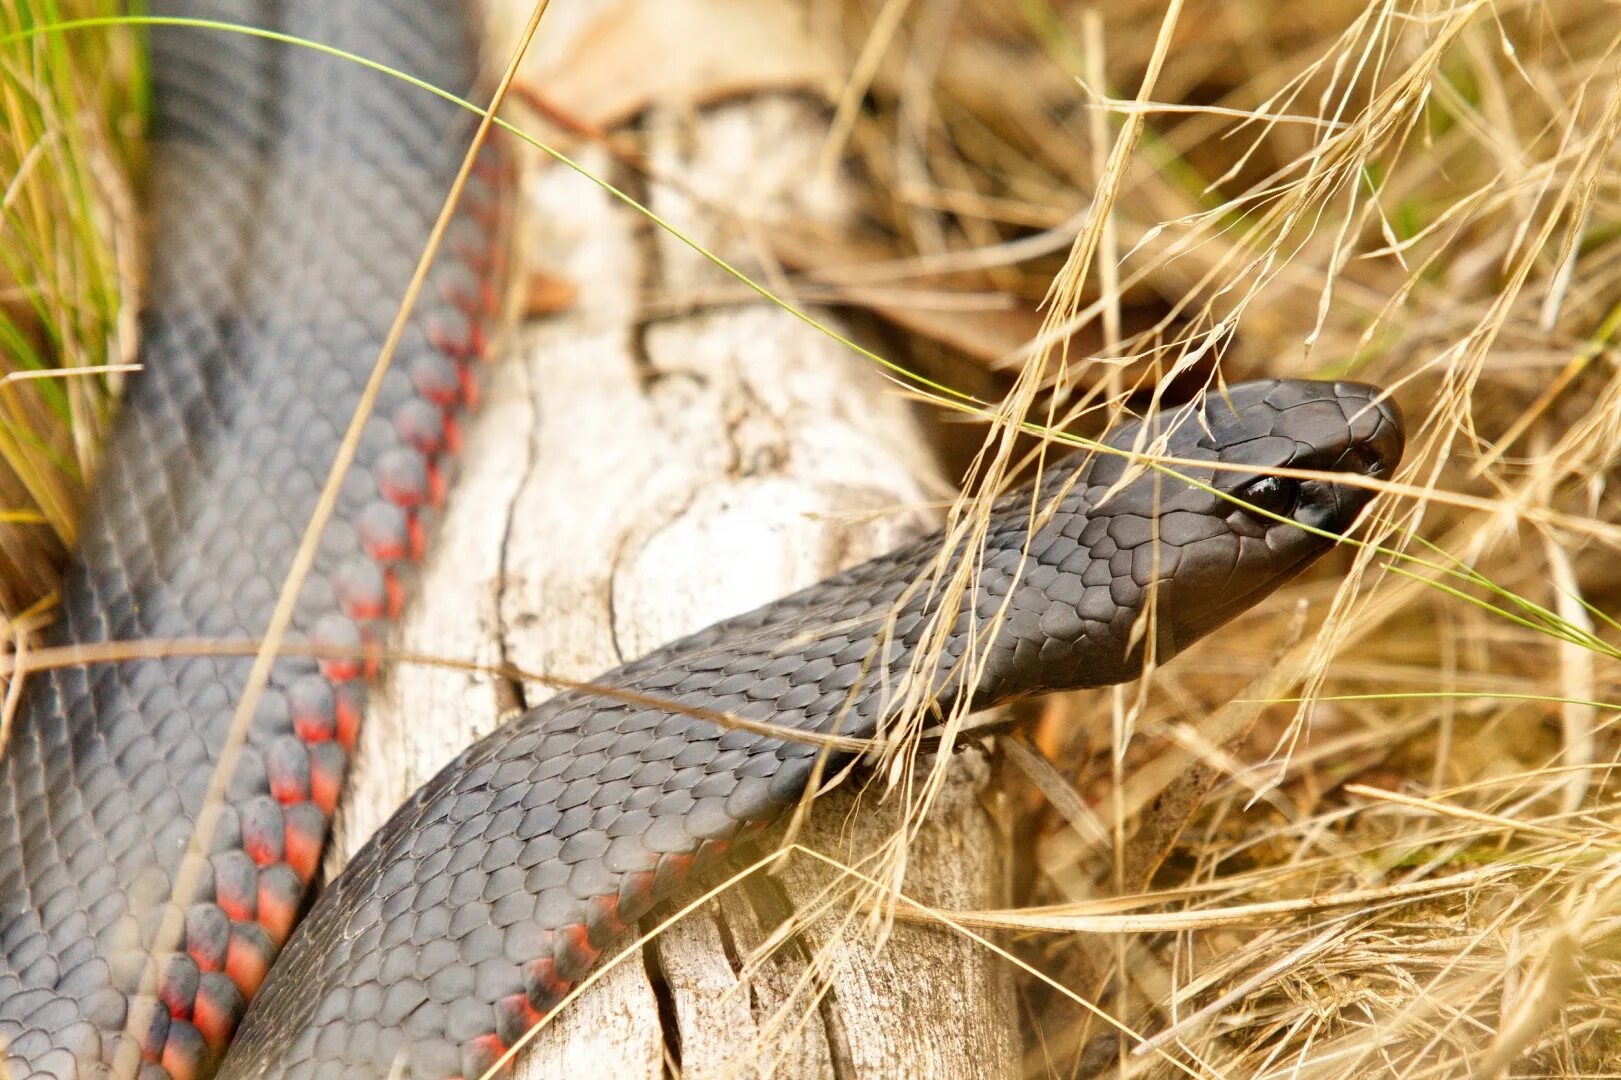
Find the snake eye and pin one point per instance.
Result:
(1272, 494)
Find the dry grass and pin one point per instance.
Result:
(68, 132)
(1422, 195)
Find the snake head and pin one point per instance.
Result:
(1204, 541)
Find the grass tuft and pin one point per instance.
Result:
(1372, 832)
(71, 111)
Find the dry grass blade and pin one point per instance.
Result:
(67, 273)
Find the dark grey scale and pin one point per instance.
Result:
(262, 828)
(288, 762)
(312, 702)
(281, 883)
(420, 425)
(185, 1044)
(382, 527)
(402, 477)
(337, 631)
(327, 762)
(253, 938)
(236, 880)
(433, 376)
(208, 935)
(274, 716)
(248, 781)
(177, 987)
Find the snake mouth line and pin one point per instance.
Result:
(1239, 604)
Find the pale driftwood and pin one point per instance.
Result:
(631, 480)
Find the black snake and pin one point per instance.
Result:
(291, 193)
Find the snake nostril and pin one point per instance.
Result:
(1364, 461)
(1385, 449)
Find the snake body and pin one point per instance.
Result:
(291, 194)
(290, 197)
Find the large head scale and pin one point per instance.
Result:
(1198, 550)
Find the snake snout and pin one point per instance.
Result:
(1375, 432)
(1384, 448)
(1265, 528)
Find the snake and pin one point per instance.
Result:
(290, 194)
